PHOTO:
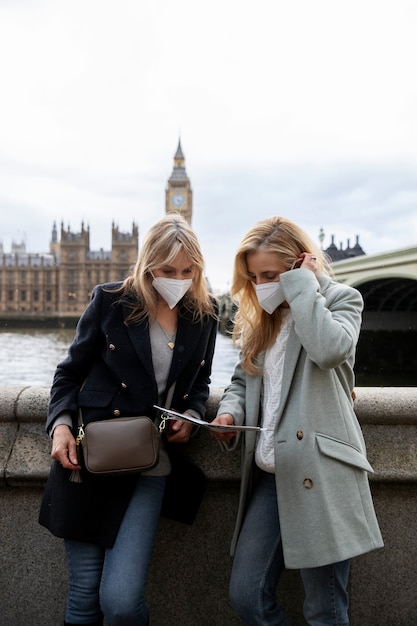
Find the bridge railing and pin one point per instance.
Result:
(190, 567)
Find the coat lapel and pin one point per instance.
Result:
(139, 336)
(186, 341)
(292, 353)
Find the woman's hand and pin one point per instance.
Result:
(64, 448)
(227, 419)
(179, 431)
(308, 261)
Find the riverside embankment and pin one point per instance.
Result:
(190, 567)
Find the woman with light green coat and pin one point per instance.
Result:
(305, 501)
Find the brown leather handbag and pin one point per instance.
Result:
(123, 445)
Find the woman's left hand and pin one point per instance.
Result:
(179, 431)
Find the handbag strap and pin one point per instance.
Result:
(170, 395)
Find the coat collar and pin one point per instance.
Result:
(293, 350)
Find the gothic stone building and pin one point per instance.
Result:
(59, 283)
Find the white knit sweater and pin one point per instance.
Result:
(272, 379)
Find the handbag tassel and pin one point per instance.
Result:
(76, 477)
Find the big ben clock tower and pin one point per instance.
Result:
(178, 194)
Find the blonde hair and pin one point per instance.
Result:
(164, 240)
(254, 329)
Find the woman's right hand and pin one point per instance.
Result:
(64, 448)
(224, 418)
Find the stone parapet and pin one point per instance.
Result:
(190, 567)
(388, 416)
(24, 446)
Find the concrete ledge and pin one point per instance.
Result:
(388, 417)
(190, 567)
(23, 404)
(386, 405)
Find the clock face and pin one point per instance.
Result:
(178, 200)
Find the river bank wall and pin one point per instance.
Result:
(190, 567)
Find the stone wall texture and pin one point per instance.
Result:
(190, 568)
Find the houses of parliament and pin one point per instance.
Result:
(59, 283)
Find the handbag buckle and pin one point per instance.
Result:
(80, 435)
(163, 422)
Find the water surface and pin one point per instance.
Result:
(30, 356)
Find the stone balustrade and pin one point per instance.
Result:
(191, 565)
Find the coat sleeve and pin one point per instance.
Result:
(233, 400)
(72, 371)
(327, 323)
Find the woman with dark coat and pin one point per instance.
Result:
(133, 342)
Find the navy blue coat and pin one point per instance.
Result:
(109, 372)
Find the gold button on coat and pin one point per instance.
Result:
(308, 483)
(116, 413)
(124, 386)
(300, 434)
(112, 346)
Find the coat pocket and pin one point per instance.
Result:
(343, 451)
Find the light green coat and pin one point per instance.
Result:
(325, 504)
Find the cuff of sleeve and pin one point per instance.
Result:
(295, 282)
(193, 413)
(63, 419)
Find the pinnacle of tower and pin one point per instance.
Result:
(179, 173)
(179, 153)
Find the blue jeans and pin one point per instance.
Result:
(259, 562)
(111, 581)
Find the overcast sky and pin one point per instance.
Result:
(301, 108)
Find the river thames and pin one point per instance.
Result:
(30, 356)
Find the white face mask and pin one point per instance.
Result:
(171, 289)
(270, 296)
